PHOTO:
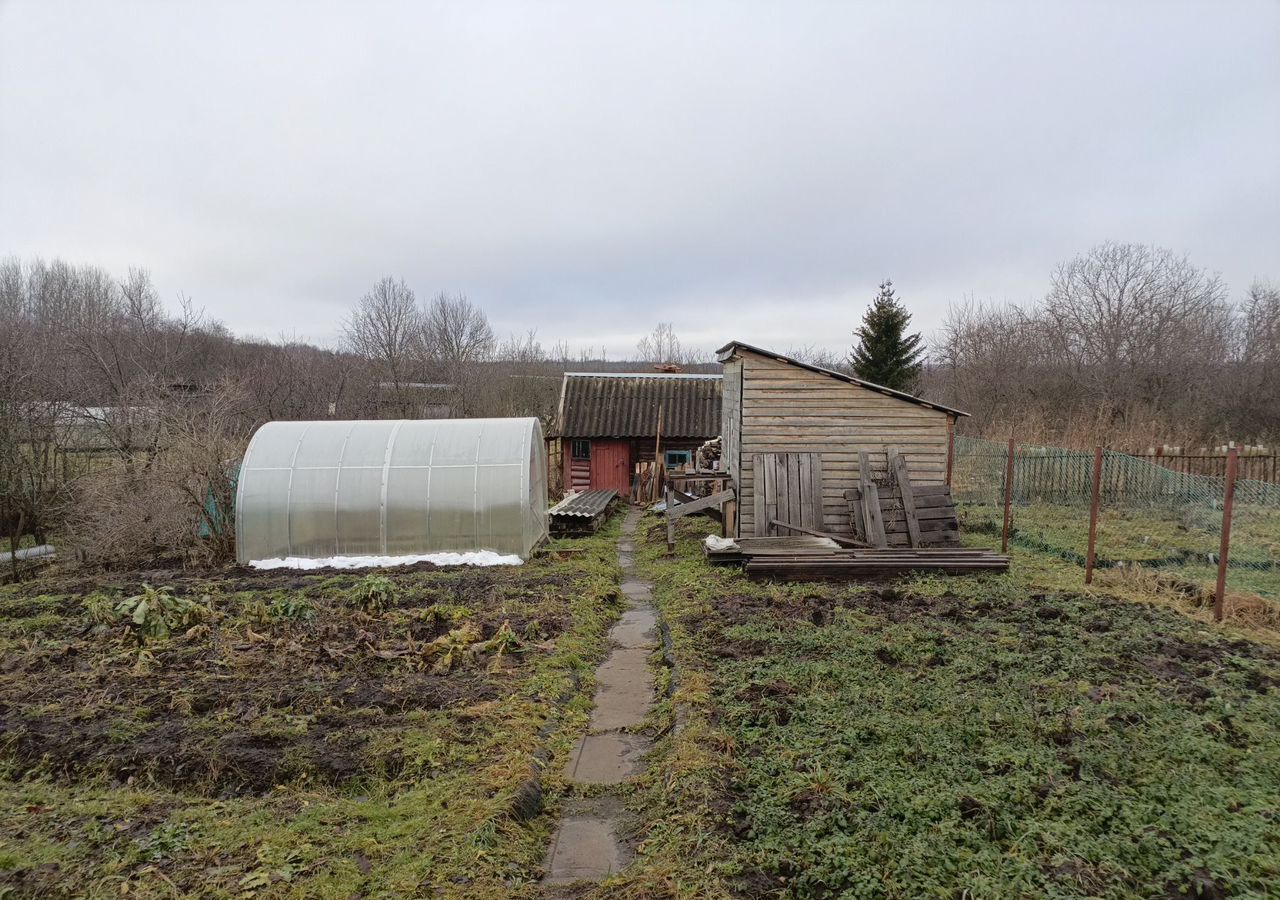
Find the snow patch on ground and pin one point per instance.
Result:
(469, 558)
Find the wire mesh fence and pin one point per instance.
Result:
(1148, 515)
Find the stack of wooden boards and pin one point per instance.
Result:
(844, 565)
(804, 558)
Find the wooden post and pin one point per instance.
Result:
(1093, 514)
(1008, 499)
(671, 522)
(951, 445)
(660, 469)
(1224, 548)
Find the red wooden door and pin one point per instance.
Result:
(611, 466)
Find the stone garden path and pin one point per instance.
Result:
(586, 847)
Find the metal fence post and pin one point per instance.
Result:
(1093, 515)
(1008, 499)
(1224, 548)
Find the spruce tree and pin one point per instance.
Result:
(885, 354)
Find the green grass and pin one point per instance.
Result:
(1184, 541)
(427, 807)
(945, 737)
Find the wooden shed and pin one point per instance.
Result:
(794, 433)
(609, 421)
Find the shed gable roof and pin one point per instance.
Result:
(625, 405)
(728, 350)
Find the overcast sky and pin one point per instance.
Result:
(746, 171)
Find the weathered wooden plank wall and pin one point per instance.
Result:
(786, 408)
(730, 432)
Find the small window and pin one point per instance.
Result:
(581, 450)
(677, 458)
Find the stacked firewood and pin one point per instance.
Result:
(709, 454)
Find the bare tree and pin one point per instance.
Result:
(455, 331)
(1261, 325)
(1257, 388)
(386, 330)
(457, 338)
(1136, 324)
(662, 347)
(1132, 345)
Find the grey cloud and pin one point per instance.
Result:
(743, 170)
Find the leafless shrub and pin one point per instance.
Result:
(171, 502)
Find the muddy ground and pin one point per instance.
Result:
(288, 678)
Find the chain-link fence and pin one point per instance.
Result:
(1148, 515)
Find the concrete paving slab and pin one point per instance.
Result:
(636, 590)
(585, 847)
(638, 628)
(624, 689)
(609, 758)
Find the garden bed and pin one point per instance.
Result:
(315, 734)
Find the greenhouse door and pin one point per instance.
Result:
(611, 466)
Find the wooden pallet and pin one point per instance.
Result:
(899, 513)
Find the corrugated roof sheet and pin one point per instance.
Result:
(621, 405)
(588, 504)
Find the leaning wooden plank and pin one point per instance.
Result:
(871, 514)
(854, 498)
(870, 501)
(843, 540)
(899, 466)
(699, 505)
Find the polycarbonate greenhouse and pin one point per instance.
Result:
(391, 488)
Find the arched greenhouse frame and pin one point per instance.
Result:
(391, 488)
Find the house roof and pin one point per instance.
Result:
(727, 351)
(626, 405)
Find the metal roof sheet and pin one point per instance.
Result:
(622, 405)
